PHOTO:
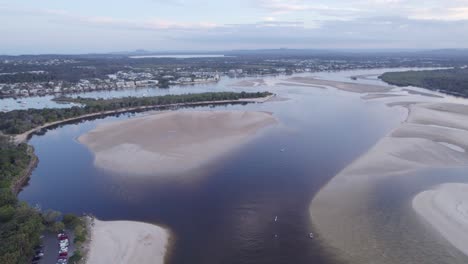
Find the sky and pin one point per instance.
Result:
(93, 26)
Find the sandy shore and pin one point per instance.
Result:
(435, 135)
(446, 209)
(171, 142)
(126, 242)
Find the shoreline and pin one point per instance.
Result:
(128, 242)
(26, 174)
(24, 137)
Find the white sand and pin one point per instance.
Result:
(171, 142)
(446, 209)
(340, 211)
(345, 86)
(126, 242)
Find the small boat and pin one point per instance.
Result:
(311, 235)
(282, 150)
(276, 218)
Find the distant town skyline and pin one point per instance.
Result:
(54, 26)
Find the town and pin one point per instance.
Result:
(26, 76)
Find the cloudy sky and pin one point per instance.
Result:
(81, 26)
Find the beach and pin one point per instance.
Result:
(168, 143)
(125, 242)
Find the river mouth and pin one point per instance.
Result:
(225, 211)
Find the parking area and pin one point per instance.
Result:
(50, 248)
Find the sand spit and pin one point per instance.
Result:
(341, 212)
(127, 242)
(171, 142)
(446, 209)
(379, 95)
(249, 83)
(345, 86)
(422, 93)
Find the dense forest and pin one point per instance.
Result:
(19, 121)
(20, 225)
(451, 81)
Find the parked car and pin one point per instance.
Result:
(63, 254)
(62, 237)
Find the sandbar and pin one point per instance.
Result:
(446, 209)
(342, 212)
(166, 143)
(345, 86)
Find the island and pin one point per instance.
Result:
(449, 81)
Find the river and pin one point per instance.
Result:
(225, 211)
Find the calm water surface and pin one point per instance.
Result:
(224, 212)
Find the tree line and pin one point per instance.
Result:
(20, 225)
(19, 121)
(451, 81)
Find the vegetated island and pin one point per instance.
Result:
(22, 225)
(449, 81)
(24, 122)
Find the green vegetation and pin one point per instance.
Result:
(77, 256)
(78, 225)
(20, 225)
(451, 81)
(19, 121)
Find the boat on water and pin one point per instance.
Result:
(311, 235)
(276, 218)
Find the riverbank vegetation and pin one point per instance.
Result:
(20, 121)
(450, 81)
(20, 225)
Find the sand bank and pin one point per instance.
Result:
(126, 242)
(249, 83)
(446, 209)
(345, 86)
(379, 95)
(342, 211)
(171, 142)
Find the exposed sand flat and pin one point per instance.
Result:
(171, 142)
(126, 242)
(249, 83)
(379, 95)
(446, 209)
(421, 93)
(441, 114)
(345, 86)
(341, 212)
